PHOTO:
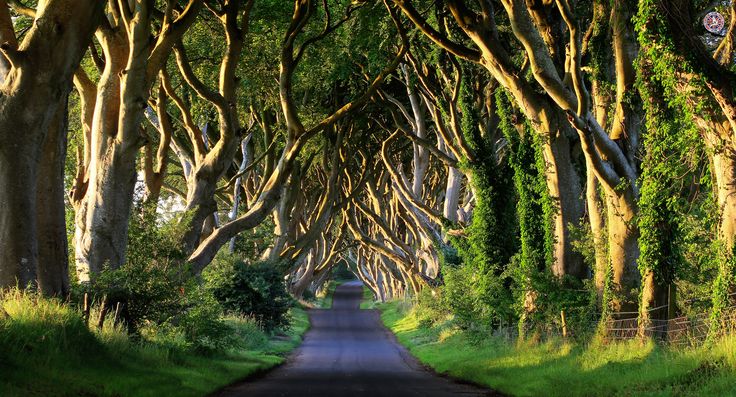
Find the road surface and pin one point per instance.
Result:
(348, 352)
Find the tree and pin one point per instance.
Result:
(39, 74)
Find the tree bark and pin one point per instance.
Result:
(724, 167)
(103, 237)
(724, 164)
(40, 77)
(597, 229)
(623, 248)
(53, 254)
(133, 60)
(564, 188)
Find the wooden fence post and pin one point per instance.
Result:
(103, 313)
(85, 309)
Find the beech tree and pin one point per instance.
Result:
(37, 74)
(131, 63)
(509, 158)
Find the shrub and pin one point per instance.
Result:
(430, 309)
(151, 283)
(253, 290)
(159, 298)
(461, 300)
(148, 293)
(200, 322)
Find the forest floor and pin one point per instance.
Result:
(558, 368)
(46, 351)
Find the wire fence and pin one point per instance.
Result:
(677, 331)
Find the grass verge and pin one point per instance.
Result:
(560, 368)
(46, 349)
(369, 300)
(323, 300)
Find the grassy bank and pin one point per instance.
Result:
(46, 349)
(369, 300)
(323, 300)
(567, 369)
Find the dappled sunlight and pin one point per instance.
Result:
(535, 196)
(527, 356)
(567, 368)
(596, 356)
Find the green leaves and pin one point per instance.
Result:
(256, 290)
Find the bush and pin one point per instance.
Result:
(159, 298)
(252, 290)
(459, 298)
(198, 325)
(147, 292)
(430, 309)
(152, 282)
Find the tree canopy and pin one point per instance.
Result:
(515, 157)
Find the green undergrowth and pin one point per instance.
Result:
(369, 300)
(560, 368)
(46, 349)
(323, 298)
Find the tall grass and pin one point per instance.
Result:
(47, 349)
(561, 367)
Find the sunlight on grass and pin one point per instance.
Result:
(561, 368)
(595, 357)
(47, 349)
(369, 299)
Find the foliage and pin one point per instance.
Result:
(252, 243)
(561, 367)
(480, 289)
(255, 290)
(48, 350)
(154, 279)
(341, 271)
(157, 297)
(676, 220)
(463, 302)
(431, 309)
(197, 326)
(533, 208)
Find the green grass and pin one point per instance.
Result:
(369, 300)
(46, 349)
(324, 298)
(560, 368)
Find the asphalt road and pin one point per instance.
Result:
(348, 352)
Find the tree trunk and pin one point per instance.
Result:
(19, 256)
(724, 170)
(298, 288)
(452, 194)
(245, 150)
(133, 59)
(623, 248)
(103, 239)
(40, 76)
(102, 140)
(53, 254)
(597, 228)
(564, 188)
(724, 166)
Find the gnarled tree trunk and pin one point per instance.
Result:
(53, 256)
(39, 78)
